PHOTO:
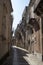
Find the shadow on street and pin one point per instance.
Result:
(16, 57)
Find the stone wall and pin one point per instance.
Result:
(5, 24)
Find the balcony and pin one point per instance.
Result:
(34, 23)
(39, 9)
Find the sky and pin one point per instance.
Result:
(18, 7)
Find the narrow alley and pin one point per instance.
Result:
(23, 45)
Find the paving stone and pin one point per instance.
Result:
(16, 57)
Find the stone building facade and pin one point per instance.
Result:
(36, 13)
(32, 18)
(19, 35)
(38, 10)
(5, 26)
